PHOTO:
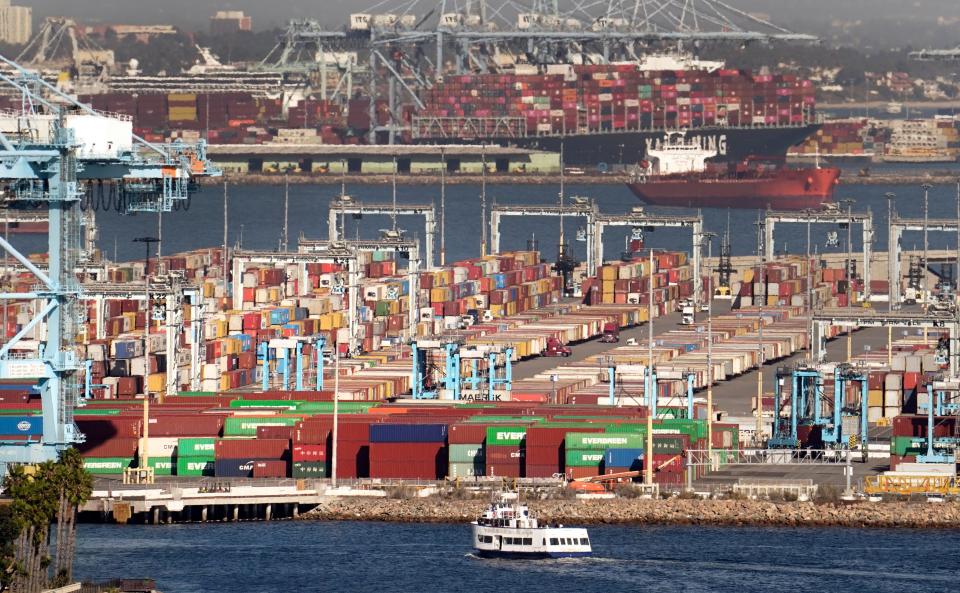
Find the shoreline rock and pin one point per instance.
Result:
(733, 513)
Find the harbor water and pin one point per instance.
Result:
(256, 219)
(358, 556)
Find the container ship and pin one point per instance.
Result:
(679, 175)
(603, 114)
(599, 115)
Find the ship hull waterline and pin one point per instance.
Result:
(792, 190)
(629, 148)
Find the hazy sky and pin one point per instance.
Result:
(193, 14)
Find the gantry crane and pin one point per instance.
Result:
(48, 150)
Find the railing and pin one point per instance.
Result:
(717, 458)
(911, 485)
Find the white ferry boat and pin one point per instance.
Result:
(507, 529)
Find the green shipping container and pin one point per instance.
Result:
(162, 466)
(196, 447)
(246, 426)
(96, 412)
(466, 470)
(506, 435)
(195, 466)
(580, 458)
(637, 428)
(342, 407)
(491, 419)
(667, 445)
(265, 403)
(586, 441)
(908, 446)
(309, 469)
(106, 465)
(466, 453)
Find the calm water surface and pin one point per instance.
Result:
(256, 213)
(344, 556)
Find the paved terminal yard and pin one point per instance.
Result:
(735, 397)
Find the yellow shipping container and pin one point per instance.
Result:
(608, 273)
(157, 382)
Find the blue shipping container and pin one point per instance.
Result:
(408, 433)
(28, 387)
(279, 316)
(630, 458)
(125, 349)
(246, 342)
(21, 425)
(233, 468)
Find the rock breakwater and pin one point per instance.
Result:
(661, 512)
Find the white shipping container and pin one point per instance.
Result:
(161, 447)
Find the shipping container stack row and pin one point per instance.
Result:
(290, 436)
(629, 282)
(272, 306)
(677, 353)
(847, 137)
(618, 97)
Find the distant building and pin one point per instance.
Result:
(142, 33)
(16, 23)
(226, 22)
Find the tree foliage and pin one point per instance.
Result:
(41, 496)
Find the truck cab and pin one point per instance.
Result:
(688, 312)
(556, 348)
(611, 332)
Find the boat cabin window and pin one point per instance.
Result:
(528, 541)
(485, 539)
(584, 541)
(554, 541)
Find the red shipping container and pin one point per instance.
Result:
(275, 432)
(252, 448)
(109, 447)
(183, 425)
(270, 469)
(467, 434)
(504, 470)
(106, 427)
(427, 461)
(309, 453)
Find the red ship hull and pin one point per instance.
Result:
(785, 189)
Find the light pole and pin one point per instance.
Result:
(443, 207)
(926, 219)
(891, 249)
(147, 241)
(809, 214)
(849, 272)
(286, 211)
(709, 237)
(895, 253)
(651, 383)
(761, 277)
(483, 201)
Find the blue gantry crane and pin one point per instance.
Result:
(48, 151)
(451, 382)
(941, 401)
(809, 406)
